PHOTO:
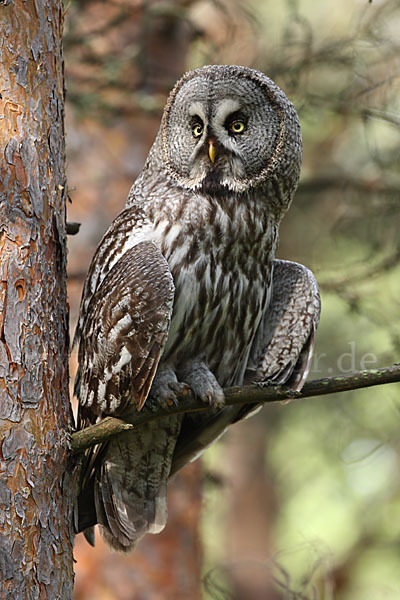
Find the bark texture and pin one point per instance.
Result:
(36, 495)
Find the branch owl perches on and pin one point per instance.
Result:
(184, 291)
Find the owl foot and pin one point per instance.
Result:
(202, 383)
(166, 388)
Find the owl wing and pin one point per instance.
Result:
(281, 354)
(123, 333)
(283, 347)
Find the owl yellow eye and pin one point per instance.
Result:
(237, 127)
(197, 130)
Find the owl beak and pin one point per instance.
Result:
(211, 150)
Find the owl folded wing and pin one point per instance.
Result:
(123, 333)
(121, 339)
(282, 349)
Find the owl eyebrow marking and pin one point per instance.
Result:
(225, 108)
(196, 109)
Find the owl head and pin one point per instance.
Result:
(230, 128)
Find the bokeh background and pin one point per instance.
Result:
(303, 500)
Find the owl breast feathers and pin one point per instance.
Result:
(184, 291)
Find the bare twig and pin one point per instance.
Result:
(342, 182)
(102, 431)
(95, 434)
(72, 228)
(387, 263)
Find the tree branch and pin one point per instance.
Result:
(72, 228)
(257, 394)
(387, 263)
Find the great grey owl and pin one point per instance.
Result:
(184, 291)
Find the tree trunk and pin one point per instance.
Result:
(36, 494)
(249, 548)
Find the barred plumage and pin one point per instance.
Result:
(182, 290)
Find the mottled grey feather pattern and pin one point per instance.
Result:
(130, 494)
(291, 320)
(219, 178)
(127, 332)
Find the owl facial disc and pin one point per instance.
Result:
(223, 130)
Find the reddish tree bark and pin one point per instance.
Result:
(36, 495)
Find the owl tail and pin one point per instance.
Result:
(130, 490)
(123, 516)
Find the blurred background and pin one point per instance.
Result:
(303, 500)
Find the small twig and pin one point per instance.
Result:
(342, 182)
(110, 426)
(387, 263)
(77, 276)
(95, 434)
(72, 228)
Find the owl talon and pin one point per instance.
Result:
(202, 383)
(177, 389)
(166, 389)
(216, 398)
